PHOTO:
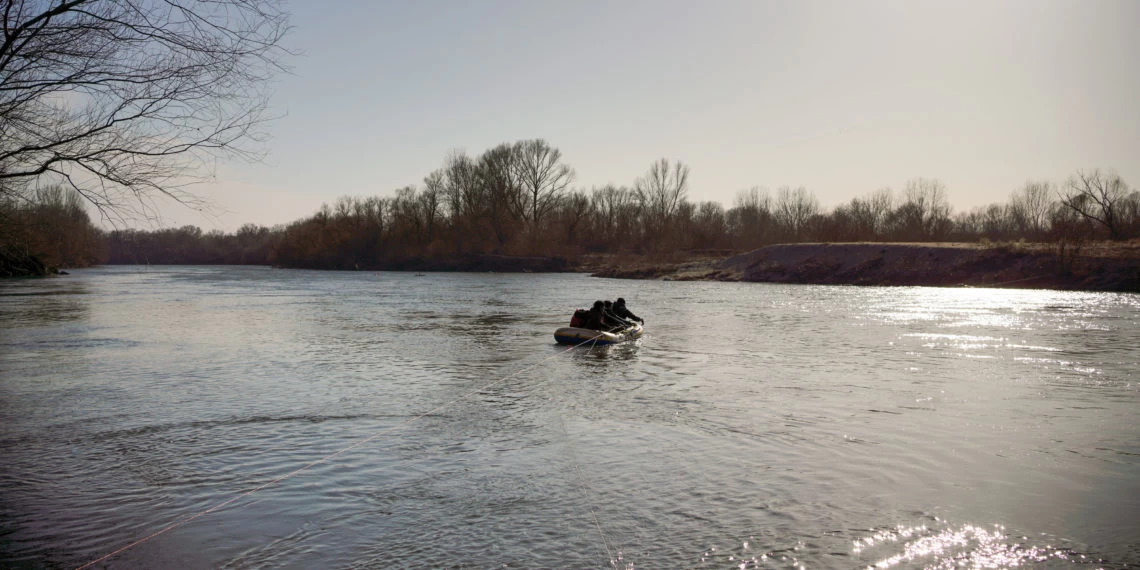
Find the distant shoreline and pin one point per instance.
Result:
(1100, 266)
(1093, 266)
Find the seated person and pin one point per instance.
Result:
(595, 317)
(579, 318)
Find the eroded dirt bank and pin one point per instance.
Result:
(1095, 267)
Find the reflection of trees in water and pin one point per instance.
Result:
(67, 304)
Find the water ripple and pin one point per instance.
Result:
(753, 426)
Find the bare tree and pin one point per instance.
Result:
(430, 206)
(47, 228)
(793, 209)
(1130, 214)
(463, 191)
(574, 209)
(925, 211)
(1097, 197)
(881, 202)
(753, 199)
(407, 215)
(464, 185)
(615, 210)
(869, 215)
(661, 192)
(542, 179)
(1029, 208)
(750, 218)
(500, 170)
(968, 225)
(708, 226)
(998, 221)
(435, 184)
(129, 100)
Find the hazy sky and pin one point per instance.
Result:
(840, 97)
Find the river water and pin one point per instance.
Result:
(753, 426)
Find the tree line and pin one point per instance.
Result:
(518, 199)
(45, 229)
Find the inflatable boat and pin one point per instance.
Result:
(575, 335)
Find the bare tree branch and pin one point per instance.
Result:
(542, 179)
(128, 101)
(1097, 197)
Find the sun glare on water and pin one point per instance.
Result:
(964, 546)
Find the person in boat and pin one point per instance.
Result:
(621, 311)
(578, 320)
(595, 317)
(613, 321)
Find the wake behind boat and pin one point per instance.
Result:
(577, 335)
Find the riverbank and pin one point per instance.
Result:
(1101, 266)
(16, 263)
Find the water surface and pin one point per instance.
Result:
(754, 426)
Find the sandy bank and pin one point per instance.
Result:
(1097, 267)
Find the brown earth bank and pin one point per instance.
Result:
(1102, 266)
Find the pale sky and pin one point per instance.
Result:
(840, 97)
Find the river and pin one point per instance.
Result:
(243, 417)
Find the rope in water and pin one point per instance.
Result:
(584, 486)
(331, 456)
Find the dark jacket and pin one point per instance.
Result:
(595, 319)
(621, 311)
(612, 321)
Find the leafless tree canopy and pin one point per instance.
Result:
(542, 178)
(128, 100)
(793, 209)
(925, 212)
(615, 213)
(872, 212)
(1098, 197)
(1029, 208)
(662, 190)
(661, 195)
